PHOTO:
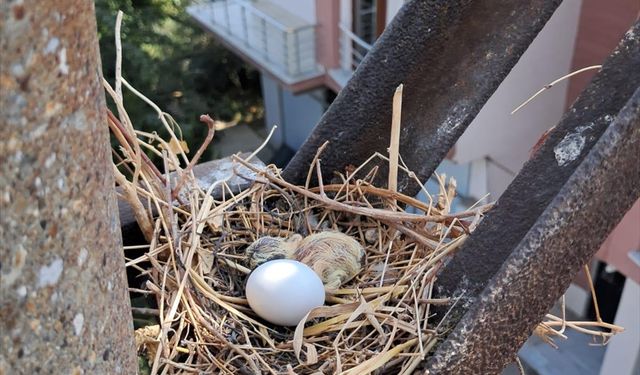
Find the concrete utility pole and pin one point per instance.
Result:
(64, 305)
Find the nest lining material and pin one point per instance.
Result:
(378, 320)
(196, 263)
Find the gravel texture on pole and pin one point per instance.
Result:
(63, 295)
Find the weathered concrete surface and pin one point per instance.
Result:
(64, 306)
(559, 210)
(451, 56)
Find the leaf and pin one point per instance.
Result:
(178, 146)
(216, 221)
(312, 354)
(206, 260)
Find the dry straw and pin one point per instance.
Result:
(195, 263)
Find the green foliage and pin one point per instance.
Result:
(175, 63)
(143, 366)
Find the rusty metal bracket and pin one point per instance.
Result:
(565, 236)
(542, 177)
(451, 55)
(550, 221)
(581, 181)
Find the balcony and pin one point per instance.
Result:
(352, 50)
(267, 35)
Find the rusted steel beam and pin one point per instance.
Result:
(64, 306)
(542, 266)
(542, 177)
(451, 56)
(550, 221)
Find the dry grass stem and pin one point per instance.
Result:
(197, 268)
(551, 84)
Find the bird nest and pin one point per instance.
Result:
(197, 267)
(195, 264)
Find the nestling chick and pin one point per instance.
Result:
(334, 256)
(270, 248)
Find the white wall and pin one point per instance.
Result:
(345, 13)
(478, 186)
(301, 113)
(295, 115)
(508, 138)
(305, 9)
(393, 6)
(271, 95)
(577, 299)
(623, 352)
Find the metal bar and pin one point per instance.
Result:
(227, 18)
(542, 177)
(297, 47)
(303, 28)
(285, 38)
(272, 21)
(245, 29)
(260, 14)
(264, 39)
(596, 197)
(312, 51)
(462, 48)
(552, 182)
(345, 55)
(357, 57)
(354, 37)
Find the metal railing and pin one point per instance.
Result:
(352, 49)
(291, 50)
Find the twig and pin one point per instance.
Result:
(320, 183)
(550, 85)
(371, 212)
(264, 143)
(395, 140)
(593, 293)
(210, 133)
(386, 260)
(143, 220)
(130, 131)
(114, 120)
(520, 367)
(118, 83)
(161, 115)
(145, 311)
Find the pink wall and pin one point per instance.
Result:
(327, 33)
(602, 25)
(622, 240)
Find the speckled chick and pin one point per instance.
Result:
(270, 248)
(334, 256)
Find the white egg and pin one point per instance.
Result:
(283, 291)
